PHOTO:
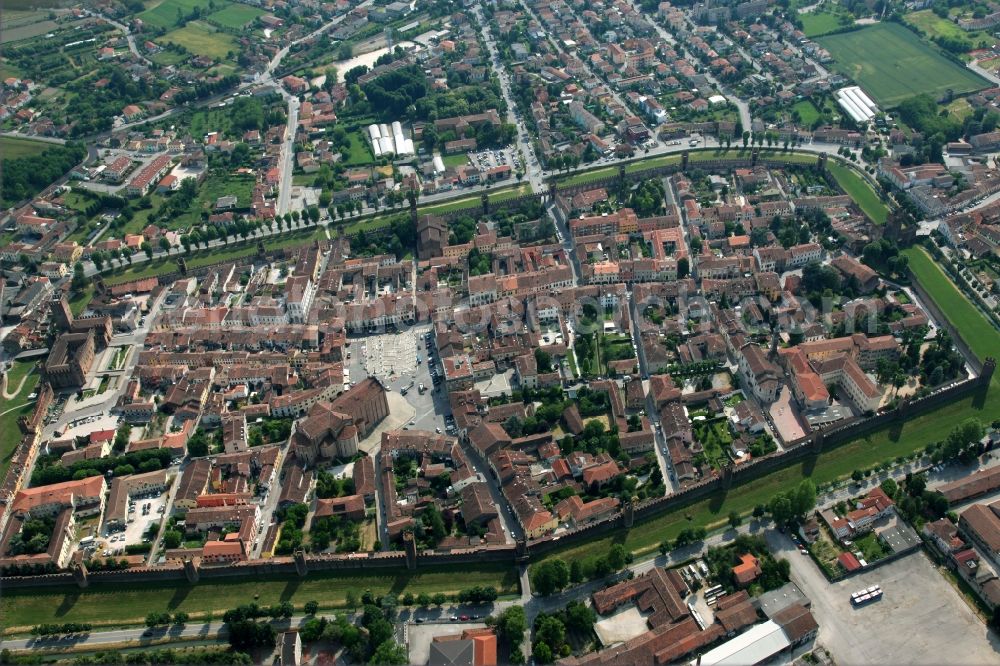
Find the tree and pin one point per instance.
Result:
(172, 539)
(803, 499)
(683, 268)
(781, 509)
(542, 653)
(759, 511)
(155, 619)
(181, 618)
(351, 599)
(423, 600)
(511, 625)
(857, 475)
(439, 599)
(735, 519)
(311, 607)
(549, 577)
(389, 652)
(79, 282)
(616, 557)
(164, 244)
(147, 249)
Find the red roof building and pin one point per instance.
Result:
(848, 562)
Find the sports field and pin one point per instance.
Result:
(891, 63)
(164, 14)
(203, 39)
(236, 16)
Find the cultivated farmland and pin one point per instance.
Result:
(914, 67)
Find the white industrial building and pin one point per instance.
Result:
(386, 141)
(757, 645)
(858, 105)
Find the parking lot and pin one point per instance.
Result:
(139, 521)
(921, 618)
(487, 159)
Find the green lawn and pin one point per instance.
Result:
(360, 154)
(474, 201)
(80, 300)
(587, 176)
(204, 257)
(203, 39)
(16, 374)
(915, 66)
(982, 337)
(12, 148)
(933, 25)
(808, 113)
(125, 604)
(10, 434)
(452, 161)
(859, 190)
(164, 14)
(871, 548)
(236, 16)
(819, 23)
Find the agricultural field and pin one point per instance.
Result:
(25, 25)
(129, 604)
(164, 14)
(915, 68)
(203, 39)
(11, 148)
(236, 16)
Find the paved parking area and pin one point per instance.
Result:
(921, 618)
(140, 523)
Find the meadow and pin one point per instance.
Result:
(203, 39)
(164, 14)
(236, 16)
(11, 147)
